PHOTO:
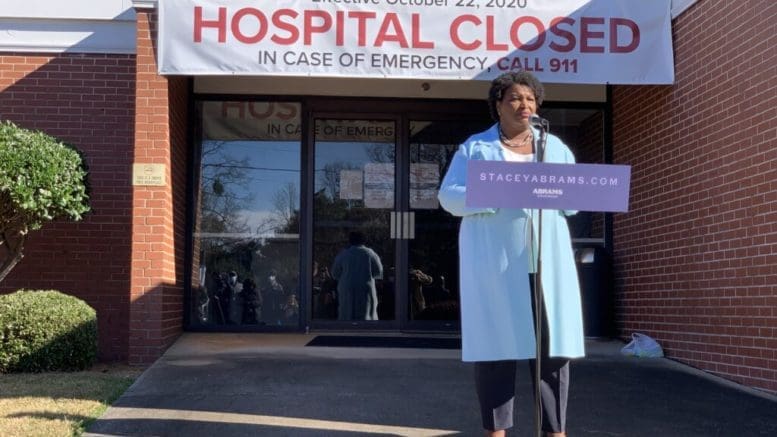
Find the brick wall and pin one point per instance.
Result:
(171, 318)
(589, 149)
(588, 143)
(159, 212)
(178, 97)
(696, 258)
(88, 101)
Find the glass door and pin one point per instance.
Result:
(433, 271)
(384, 252)
(354, 199)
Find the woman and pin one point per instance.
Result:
(495, 255)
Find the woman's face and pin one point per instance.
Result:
(517, 104)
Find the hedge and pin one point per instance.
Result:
(46, 331)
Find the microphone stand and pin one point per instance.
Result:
(538, 308)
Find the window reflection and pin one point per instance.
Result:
(433, 274)
(354, 194)
(247, 218)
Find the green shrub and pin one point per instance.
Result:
(46, 330)
(41, 179)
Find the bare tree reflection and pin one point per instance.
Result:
(224, 189)
(257, 244)
(329, 178)
(285, 204)
(382, 152)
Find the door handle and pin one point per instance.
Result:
(402, 225)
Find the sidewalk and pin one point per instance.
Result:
(272, 385)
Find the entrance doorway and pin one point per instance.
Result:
(280, 187)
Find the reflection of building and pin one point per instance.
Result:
(692, 258)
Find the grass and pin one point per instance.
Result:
(59, 403)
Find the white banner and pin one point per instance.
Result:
(560, 41)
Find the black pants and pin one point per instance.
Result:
(495, 384)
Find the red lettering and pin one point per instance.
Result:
(454, 32)
(630, 47)
(260, 110)
(339, 28)
(565, 34)
(239, 106)
(278, 22)
(587, 34)
(417, 43)
(290, 113)
(467, 32)
(310, 28)
(361, 18)
(490, 44)
(238, 33)
(260, 115)
(516, 27)
(220, 23)
(391, 20)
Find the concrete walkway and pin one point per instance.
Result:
(273, 385)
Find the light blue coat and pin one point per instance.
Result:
(494, 259)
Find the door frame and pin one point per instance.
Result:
(401, 112)
(309, 186)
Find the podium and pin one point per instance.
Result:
(540, 185)
(546, 186)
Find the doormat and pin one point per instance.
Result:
(383, 341)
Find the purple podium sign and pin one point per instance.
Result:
(539, 185)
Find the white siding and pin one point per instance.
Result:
(83, 26)
(67, 9)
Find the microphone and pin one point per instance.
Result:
(538, 122)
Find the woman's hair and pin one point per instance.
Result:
(505, 81)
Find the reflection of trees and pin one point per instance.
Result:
(329, 177)
(233, 240)
(284, 218)
(222, 178)
(440, 154)
(285, 204)
(382, 152)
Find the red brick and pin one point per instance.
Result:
(703, 196)
(41, 89)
